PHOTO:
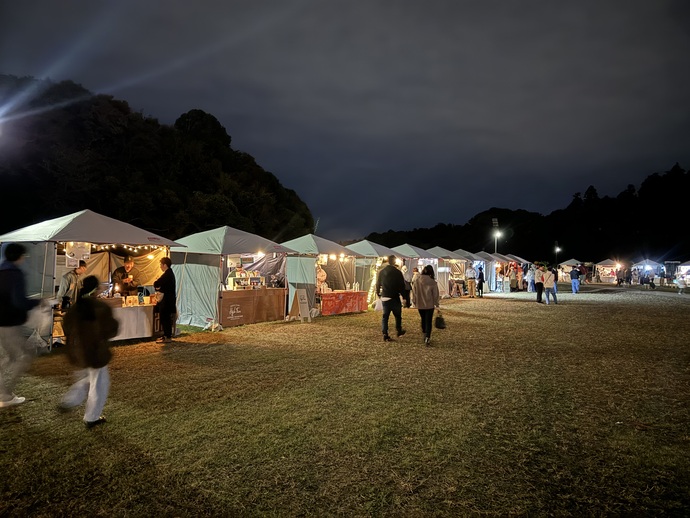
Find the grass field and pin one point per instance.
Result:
(577, 409)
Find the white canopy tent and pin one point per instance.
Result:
(94, 237)
(413, 256)
(648, 264)
(367, 266)
(605, 270)
(569, 263)
(476, 261)
(518, 259)
(447, 262)
(201, 267)
(565, 268)
(490, 269)
(80, 227)
(311, 250)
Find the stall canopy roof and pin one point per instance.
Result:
(86, 226)
(646, 262)
(503, 258)
(570, 262)
(469, 255)
(446, 254)
(315, 245)
(486, 256)
(517, 259)
(607, 262)
(411, 251)
(370, 249)
(229, 241)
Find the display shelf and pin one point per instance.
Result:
(246, 283)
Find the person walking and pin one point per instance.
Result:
(471, 276)
(14, 306)
(165, 285)
(407, 275)
(89, 325)
(549, 285)
(426, 294)
(390, 286)
(575, 279)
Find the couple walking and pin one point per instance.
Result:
(390, 286)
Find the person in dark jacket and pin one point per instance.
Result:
(480, 282)
(14, 307)
(126, 278)
(165, 286)
(390, 286)
(89, 325)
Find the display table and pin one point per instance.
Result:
(135, 322)
(337, 302)
(251, 306)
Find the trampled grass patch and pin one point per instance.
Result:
(576, 409)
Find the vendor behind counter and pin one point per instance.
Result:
(126, 279)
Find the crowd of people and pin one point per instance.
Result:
(88, 324)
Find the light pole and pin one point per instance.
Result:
(557, 249)
(497, 234)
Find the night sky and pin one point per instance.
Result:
(393, 114)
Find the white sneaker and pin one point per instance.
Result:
(16, 400)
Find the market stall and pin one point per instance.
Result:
(472, 259)
(323, 269)
(217, 285)
(57, 245)
(451, 268)
(492, 271)
(606, 271)
(367, 266)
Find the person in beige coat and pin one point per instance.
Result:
(426, 297)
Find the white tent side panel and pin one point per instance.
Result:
(301, 274)
(39, 267)
(198, 283)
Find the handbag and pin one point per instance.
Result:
(439, 321)
(378, 305)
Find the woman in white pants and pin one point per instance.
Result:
(89, 324)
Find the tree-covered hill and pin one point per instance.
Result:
(649, 222)
(63, 149)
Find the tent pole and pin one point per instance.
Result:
(216, 320)
(45, 262)
(179, 284)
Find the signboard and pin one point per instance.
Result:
(300, 305)
(75, 252)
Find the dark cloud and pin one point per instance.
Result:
(394, 114)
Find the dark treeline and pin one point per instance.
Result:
(63, 149)
(648, 222)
